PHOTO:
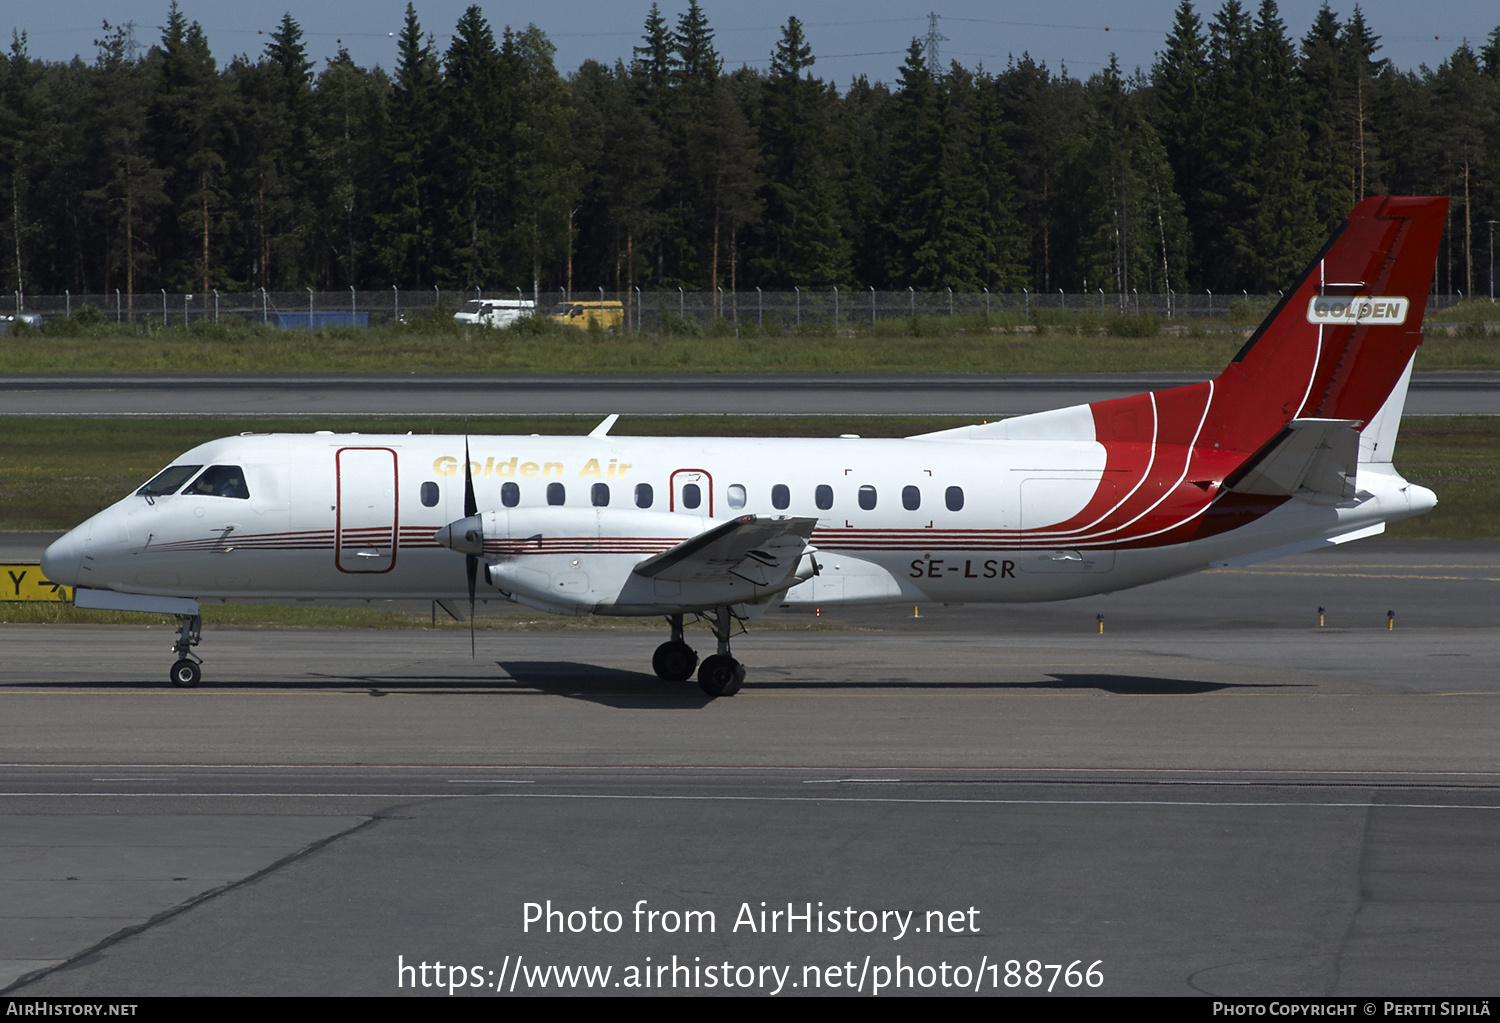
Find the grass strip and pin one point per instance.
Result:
(1055, 341)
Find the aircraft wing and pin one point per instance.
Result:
(760, 550)
(1310, 456)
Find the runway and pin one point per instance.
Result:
(1432, 394)
(1215, 796)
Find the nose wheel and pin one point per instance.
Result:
(186, 671)
(186, 674)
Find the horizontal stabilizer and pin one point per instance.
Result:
(760, 550)
(1309, 456)
(1301, 547)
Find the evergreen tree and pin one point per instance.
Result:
(1181, 84)
(861, 142)
(1325, 85)
(407, 219)
(287, 51)
(348, 118)
(1043, 114)
(694, 62)
(1258, 225)
(1286, 231)
(540, 172)
(936, 216)
(1361, 71)
(710, 161)
(1127, 219)
(129, 190)
(802, 240)
(274, 141)
(19, 77)
(192, 117)
(618, 152)
(1223, 232)
(1003, 247)
(653, 60)
(1463, 118)
(913, 174)
(474, 194)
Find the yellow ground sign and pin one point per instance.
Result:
(26, 582)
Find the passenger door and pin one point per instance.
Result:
(367, 513)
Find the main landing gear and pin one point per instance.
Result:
(674, 660)
(719, 675)
(186, 673)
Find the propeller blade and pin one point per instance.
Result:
(471, 505)
(471, 563)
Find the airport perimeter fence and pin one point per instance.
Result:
(655, 311)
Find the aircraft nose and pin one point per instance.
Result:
(63, 559)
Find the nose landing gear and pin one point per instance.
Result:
(186, 673)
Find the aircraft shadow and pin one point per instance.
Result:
(1121, 685)
(637, 690)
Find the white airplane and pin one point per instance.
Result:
(1289, 448)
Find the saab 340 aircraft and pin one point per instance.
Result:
(1289, 448)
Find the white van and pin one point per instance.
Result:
(494, 312)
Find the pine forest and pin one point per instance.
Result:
(1223, 166)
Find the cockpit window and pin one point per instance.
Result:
(168, 480)
(220, 481)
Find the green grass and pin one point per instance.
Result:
(1458, 459)
(1049, 341)
(898, 347)
(54, 473)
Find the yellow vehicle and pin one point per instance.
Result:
(583, 315)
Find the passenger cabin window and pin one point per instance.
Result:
(955, 498)
(867, 497)
(781, 497)
(168, 480)
(692, 495)
(429, 495)
(823, 497)
(736, 495)
(510, 494)
(911, 498)
(644, 495)
(599, 495)
(220, 481)
(556, 493)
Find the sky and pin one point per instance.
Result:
(849, 37)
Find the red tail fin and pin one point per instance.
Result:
(1334, 348)
(1339, 341)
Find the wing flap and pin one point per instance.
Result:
(762, 551)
